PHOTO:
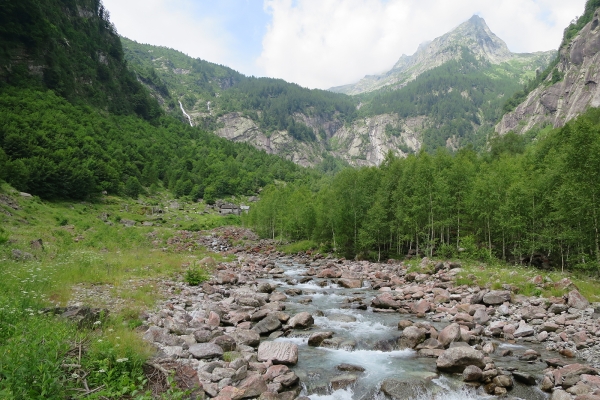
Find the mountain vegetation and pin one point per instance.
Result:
(78, 122)
(517, 202)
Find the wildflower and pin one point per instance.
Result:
(120, 360)
(74, 375)
(101, 371)
(97, 322)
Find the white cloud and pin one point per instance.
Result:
(172, 24)
(324, 43)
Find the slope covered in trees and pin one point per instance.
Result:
(514, 202)
(271, 103)
(462, 98)
(54, 149)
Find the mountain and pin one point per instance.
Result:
(452, 103)
(75, 121)
(569, 87)
(473, 35)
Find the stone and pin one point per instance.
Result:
(205, 350)
(317, 338)
(252, 386)
(350, 368)
(288, 379)
(503, 381)
(523, 330)
(420, 307)
(278, 352)
(560, 395)
(411, 337)
(456, 359)
(576, 300)
(449, 334)
(385, 301)
(350, 283)
(496, 297)
(265, 287)
(403, 324)
(226, 342)
(342, 381)
(246, 337)
(301, 320)
(481, 317)
(472, 373)
(267, 325)
(524, 377)
(398, 389)
(204, 335)
(558, 308)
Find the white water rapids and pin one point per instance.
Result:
(186, 114)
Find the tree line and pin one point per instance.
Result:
(515, 202)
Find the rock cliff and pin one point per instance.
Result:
(557, 103)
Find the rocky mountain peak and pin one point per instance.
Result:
(473, 34)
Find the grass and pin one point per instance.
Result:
(304, 245)
(86, 251)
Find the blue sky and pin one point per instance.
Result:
(325, 43)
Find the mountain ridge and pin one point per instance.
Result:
(473, 34)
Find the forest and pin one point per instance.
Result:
(516, 202)
(56, 150)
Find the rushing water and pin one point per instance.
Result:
(368, 341)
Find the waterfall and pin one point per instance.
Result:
(186, 114)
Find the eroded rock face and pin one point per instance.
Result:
(559, 103)
(278, 352)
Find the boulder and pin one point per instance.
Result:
(342, 381)
(386, 301)
(449, 334)
(495, 297)
(398, 389)
(267, 325)
(523, 330)
(411, 337)
(456, 359)
(576, 300)
(252, 386)
(317, 338)
(278, 352)
(472, 373)
(246, 337)
(301, 320)
(205, 350)
(350, 283)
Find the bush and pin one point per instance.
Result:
(3, 236)
(195, 276)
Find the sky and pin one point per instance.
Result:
(326, 43)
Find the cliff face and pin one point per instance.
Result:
(557, 103)
(364, 142)
(473, 35)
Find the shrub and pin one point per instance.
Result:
(195, 276)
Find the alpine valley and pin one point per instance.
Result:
(450, 93)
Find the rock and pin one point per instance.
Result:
(350, 368)
(246, 337)
(341, 318)
(205, 350)
(204, 335)
(350, 283)
(301, 320)
(403, 324)
(411, 337)
(558, 308)
(385, 301)
(19, 255)
(456, 359)
(278, 352)
(317, 338)
(481, 317)
(227, 343)
(576, 300)
(496, 297)
(523, 330)
(478, 297)
(420, 307)
(342, 381)
(472, 373)
(252, 386)
(267, 325)
(449, 334)
(560, 395)
(503, 381)
(265, 287)
(404, 390)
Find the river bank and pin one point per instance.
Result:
(278, 326)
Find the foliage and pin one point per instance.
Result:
(519, 202)
(72, 48)
(461, 98)
(57, 150)
(196, 275)
(272, 103)
(577, 25)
